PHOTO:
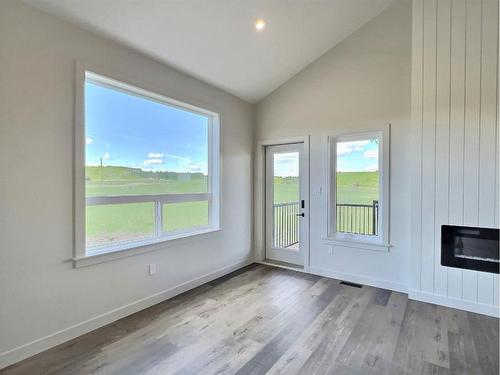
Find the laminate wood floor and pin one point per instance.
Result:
(266, 320)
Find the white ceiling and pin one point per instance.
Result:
(215, 40)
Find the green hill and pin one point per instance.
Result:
(357, 187)
(352, 187)
(110, 173)
(357, 179)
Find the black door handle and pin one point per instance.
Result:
(301, 214)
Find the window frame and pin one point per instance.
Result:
(160, 239)
(379, 242)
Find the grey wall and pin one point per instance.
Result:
(362, 82)
(41, 295)
(455, 104)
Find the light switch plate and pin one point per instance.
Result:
(152, 269)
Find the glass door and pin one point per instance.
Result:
(285, 203)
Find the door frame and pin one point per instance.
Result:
(260, 196)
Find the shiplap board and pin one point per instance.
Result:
(496, 278)
(471, 129)
(487, 132)
(428, 144)
(416, 97)
(455, 130)
(457, 70)
(442, 159)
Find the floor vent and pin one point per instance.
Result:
(351, 284)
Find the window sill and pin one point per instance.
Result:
(109, 254)
(364, 245)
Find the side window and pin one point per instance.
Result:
(359, 187)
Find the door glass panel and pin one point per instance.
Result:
(286, 200)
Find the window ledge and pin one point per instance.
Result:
(364, 245)
(112, 253)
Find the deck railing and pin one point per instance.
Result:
(286, 224)
(357, 218)
(351, 218)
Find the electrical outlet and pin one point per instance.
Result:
(152, 269)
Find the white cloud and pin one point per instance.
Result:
(194, 168)
(176, 157)
(286, 164)
(360, 143)
(155, 155)
(153, 161)
(88, 141)
(105, 156)
(372, 154)
(371, 168)
(348, 147)
(343, 148)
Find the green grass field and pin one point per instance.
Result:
(357, 187)
(352, 187)
(107, 224)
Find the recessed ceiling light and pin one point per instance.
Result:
(260, 24)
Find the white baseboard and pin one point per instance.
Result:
(412, 294)
(454, 303)
(359, 279)
(34, 347)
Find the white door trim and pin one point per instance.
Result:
(260, 193)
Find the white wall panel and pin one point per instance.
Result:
(455, 79)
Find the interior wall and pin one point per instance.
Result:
(362, 82)
(44, 300)
(454, 107)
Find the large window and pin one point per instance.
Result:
(150, 167)
(359, 189)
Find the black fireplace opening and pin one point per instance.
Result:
(470, 248)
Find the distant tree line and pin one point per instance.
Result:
(125, 173)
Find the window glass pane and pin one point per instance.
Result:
(357, 186)
(115, 224)
(185, 215)
(137, 146)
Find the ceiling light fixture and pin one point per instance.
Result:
(260, 24)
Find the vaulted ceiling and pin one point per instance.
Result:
(215, 40)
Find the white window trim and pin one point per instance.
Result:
(82, 256)
(381, 242)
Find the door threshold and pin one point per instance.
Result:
(277, 263)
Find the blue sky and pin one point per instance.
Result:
(130, 131)
(357, 156)
(286, 164)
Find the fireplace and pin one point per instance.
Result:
(470, 248)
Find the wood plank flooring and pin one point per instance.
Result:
(266, 320)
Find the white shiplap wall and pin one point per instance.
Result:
(455, 139)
